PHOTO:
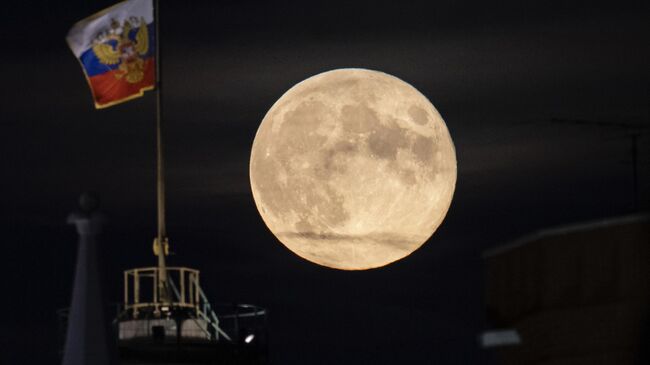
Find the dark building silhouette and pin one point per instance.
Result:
(575, 295)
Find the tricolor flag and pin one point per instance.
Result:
(116, 51)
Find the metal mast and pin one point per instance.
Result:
(161, 245)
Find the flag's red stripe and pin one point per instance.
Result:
(107, 88)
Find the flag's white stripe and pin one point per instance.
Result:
(81, 35)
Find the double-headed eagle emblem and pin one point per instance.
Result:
(127, 52)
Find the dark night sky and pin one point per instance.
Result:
(497, 73)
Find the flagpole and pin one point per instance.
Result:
(161, 238)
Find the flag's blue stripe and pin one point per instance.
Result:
(94, 67)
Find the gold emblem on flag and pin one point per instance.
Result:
(127, 52)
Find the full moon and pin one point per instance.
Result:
(353, 169)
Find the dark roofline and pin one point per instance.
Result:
(560, 230)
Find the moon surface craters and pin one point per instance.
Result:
(353, 169)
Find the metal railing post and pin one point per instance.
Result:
(196, 292)
(182, 280)
(192, 288)
(136, 287)
(126, 289)
(155, 288)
